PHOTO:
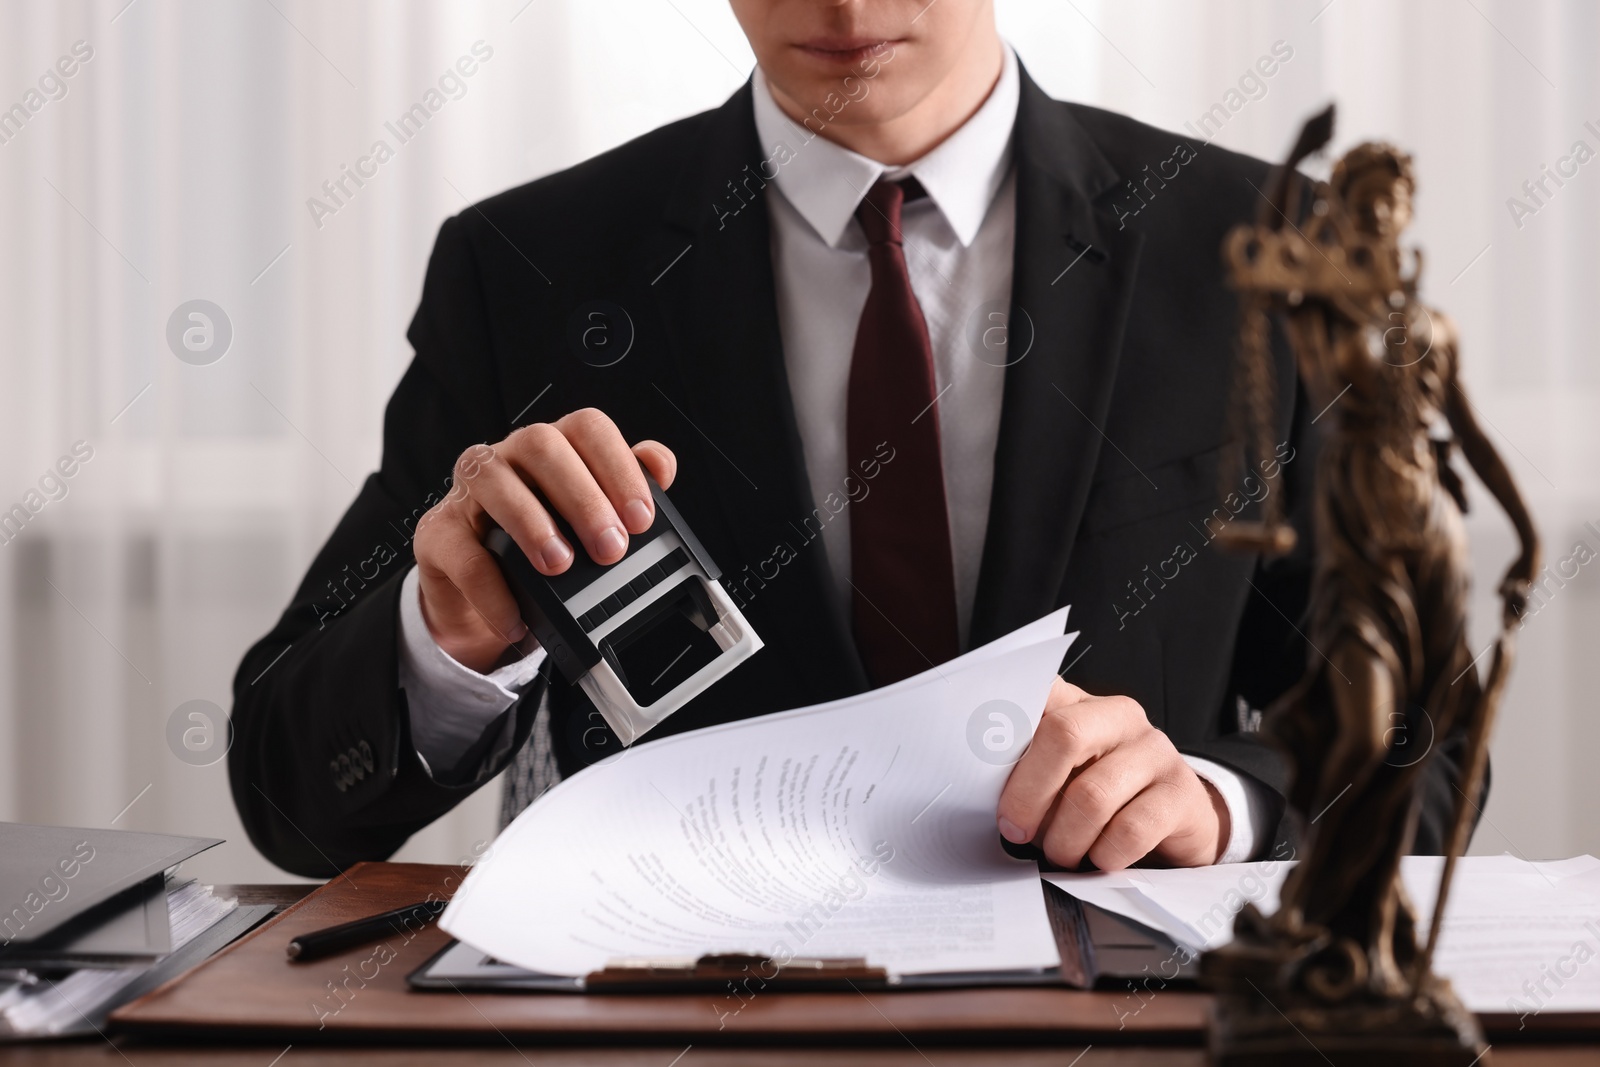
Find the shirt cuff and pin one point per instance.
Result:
(1249, 808)
(450, 705)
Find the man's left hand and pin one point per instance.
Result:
(1099, 782)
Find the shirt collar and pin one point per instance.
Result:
(826, 182)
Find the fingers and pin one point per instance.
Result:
(587, 474)
(613, 465)
(1074, 730)
(465, 602)
(658, 460)
(1203, 825)
(1099, 782)
(543, 455)
(1139, 827)
(1094, 797)
(495, 488)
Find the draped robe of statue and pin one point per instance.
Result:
(1388, 672)
(1389, 669)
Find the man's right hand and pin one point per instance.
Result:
(588, 473)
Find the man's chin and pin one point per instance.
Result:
(848, 100)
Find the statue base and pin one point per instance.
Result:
(1253, 1034)
(1276, 1005)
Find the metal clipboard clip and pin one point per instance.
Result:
(721, 972)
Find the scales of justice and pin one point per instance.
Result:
(1342, 971)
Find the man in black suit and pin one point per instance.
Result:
(922, 355)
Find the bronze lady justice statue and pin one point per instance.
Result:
(1389, 659)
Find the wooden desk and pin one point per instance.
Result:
(126, 1052)
(97, 1053)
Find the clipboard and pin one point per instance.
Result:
(459, 967)
(1097, 950)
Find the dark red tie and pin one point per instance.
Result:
(900, 558)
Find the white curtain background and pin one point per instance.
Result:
(178, 164)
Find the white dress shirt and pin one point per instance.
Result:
(958, 248)
(958, 243)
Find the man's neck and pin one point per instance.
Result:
(908, 137)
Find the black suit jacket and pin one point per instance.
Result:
(1106, 479)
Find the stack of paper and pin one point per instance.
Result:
(865, 827)
(1518, 937)
(51, 1004)
(90, 918)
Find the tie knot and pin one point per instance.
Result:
(879, 212)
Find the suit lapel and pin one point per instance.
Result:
(719, 305)
(1072, 281)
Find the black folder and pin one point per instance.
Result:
(65, 887)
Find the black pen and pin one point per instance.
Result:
(320, 943)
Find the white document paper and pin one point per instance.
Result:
(864, 827)
(1518, 937)
(1195, 906)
